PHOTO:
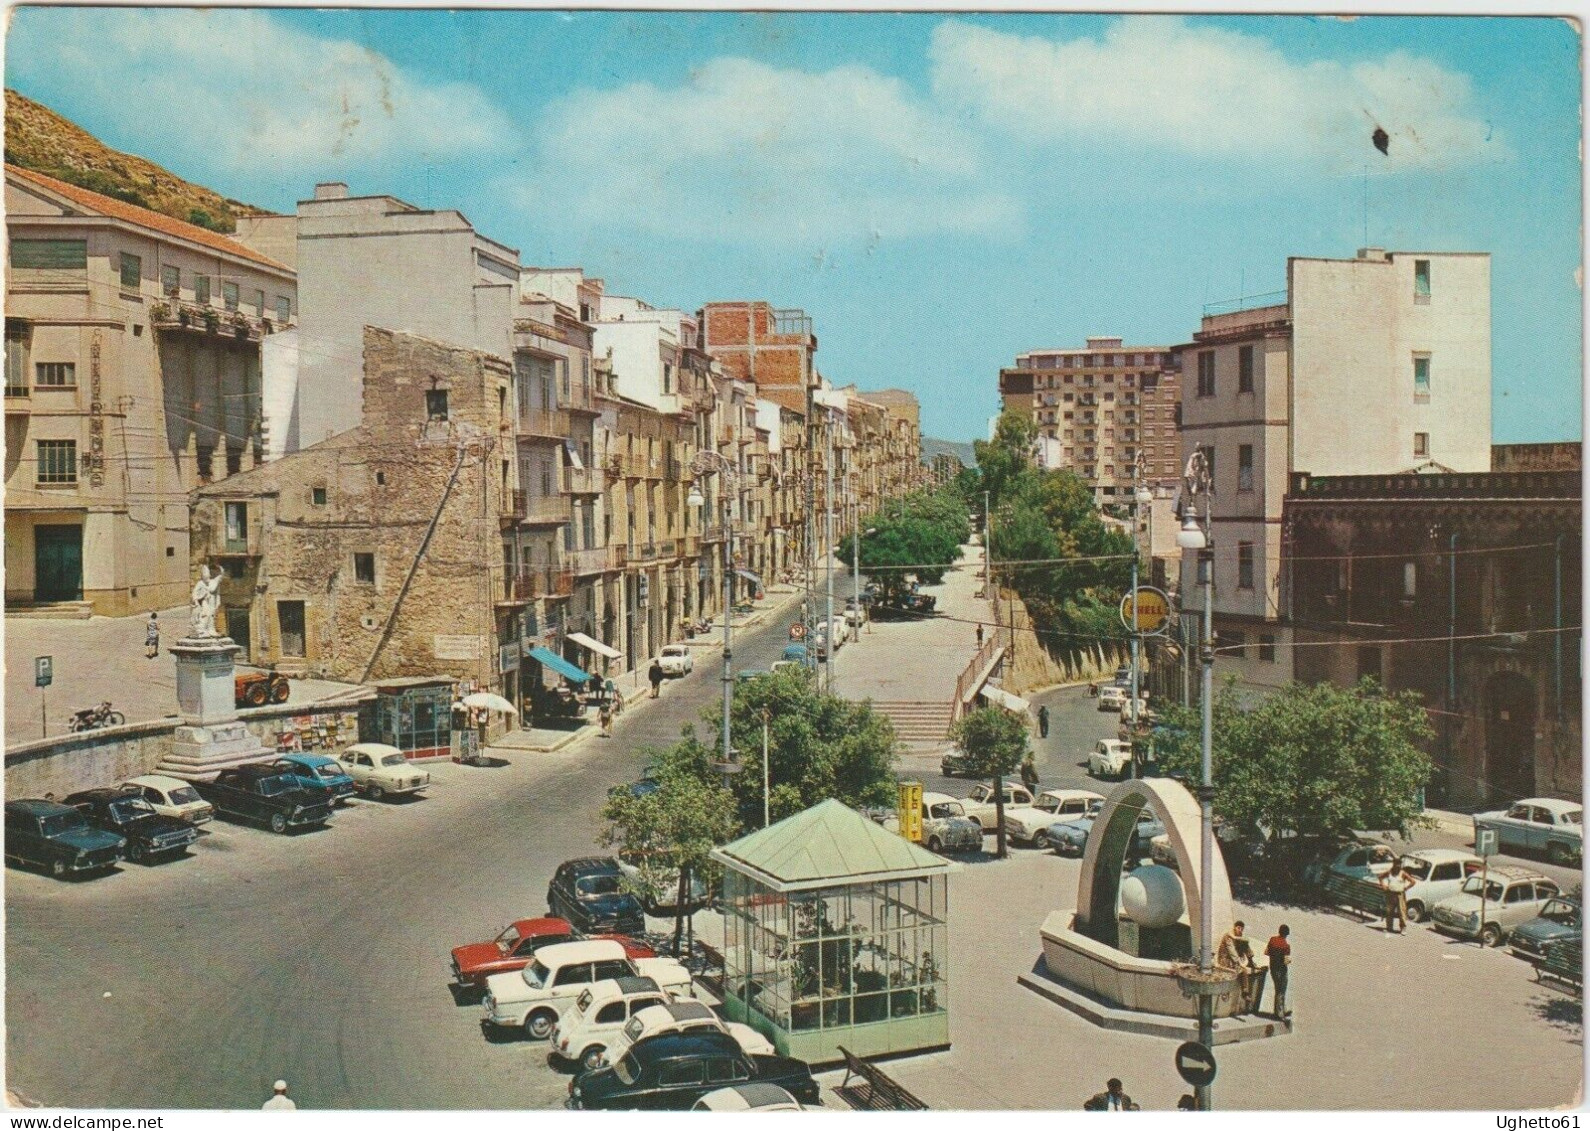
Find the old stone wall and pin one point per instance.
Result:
(1037, 664)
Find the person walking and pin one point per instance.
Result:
(979, 635)
(1113, 1098)
(279, 1100)
(1279, 953)
(1029, 775)
(605, 717)
(1043, 721)
(152, 637)
(655, 675)
(1395, 887)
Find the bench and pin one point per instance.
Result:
(1364, 896)
(883, 1092)
(1563, 963)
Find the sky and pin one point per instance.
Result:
(939, 191)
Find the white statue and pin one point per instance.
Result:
(204, 603)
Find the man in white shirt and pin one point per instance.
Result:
(279, 1101)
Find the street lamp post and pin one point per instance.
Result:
(705, 461)
(1140, 498)
(1194, 536)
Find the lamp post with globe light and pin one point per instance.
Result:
(706, 461)
(1196, 479)
(1141, 497)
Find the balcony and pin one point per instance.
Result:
(584, 481)
(547, 423)
(169, 314)
(713, 533)
(690, 546)
(535, 582)
(668, 548)
(645, 552)
(726, 433)
(674, 471)
(586, 562)
(580, 398)
(540, 510)
(618, 556)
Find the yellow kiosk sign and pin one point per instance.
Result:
(910, 811)
(1152, 609)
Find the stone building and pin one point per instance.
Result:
(376, 553)
(134, 374)
(1462, 587)
(1537, 457)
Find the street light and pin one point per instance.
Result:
(1141, 497)
(708, 460)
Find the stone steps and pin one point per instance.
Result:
(50, 610)
(916, 723)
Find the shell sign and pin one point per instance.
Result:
(1152, 609)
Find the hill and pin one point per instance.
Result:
(962, 452)
(40, 139)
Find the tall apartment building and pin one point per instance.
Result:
(1099, 409)
(134, 374)
(1368, 366)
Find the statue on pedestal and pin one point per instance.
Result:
(203, 604)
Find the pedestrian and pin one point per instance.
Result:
(1395, 886)
(152, 637)
(1043, 721)
(605, 716)
(1188, 1102)
(979, 635)
(656, 677)
(1029, 775)
(1235, 953)
(279, 1100)
(1279, 953)
(1113, 1098)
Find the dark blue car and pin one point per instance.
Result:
(316, 772)
(671, 1071)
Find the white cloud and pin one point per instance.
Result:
(1208, 91)
(250, 94)
(747, 151)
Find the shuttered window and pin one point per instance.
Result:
(53, 255)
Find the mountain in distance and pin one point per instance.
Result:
(38, 138)
(962, 452)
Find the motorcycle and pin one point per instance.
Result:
(92, 718)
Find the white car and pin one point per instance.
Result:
(1109, 758)
(1112, 698)
(1438, 875)
(980, 807)
(748, 1097)
(681, 1017)
(598, 1015)
(534, 998)
(378, 769)
(676, 659)
(1024, 823)
(172, 797)
(1544, 826)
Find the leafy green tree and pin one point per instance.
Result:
(1312, 759)
(995, 743)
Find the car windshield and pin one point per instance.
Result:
(130, 809)
(535, 975)
(597, 885)
(627, 1070)
(332, 770)
(1493, 890)
(58, 823)
(1561, 911)
(270, 787)
(187, 795)
(393, 760)
(506, 940)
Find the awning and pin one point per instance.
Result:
(558, 664)
(596, 646)
(751, 577)
(1005, 699)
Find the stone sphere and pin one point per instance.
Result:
(1152, 896)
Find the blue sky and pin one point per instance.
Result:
(940, 192)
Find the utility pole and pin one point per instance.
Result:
(828, 549)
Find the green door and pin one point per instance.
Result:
(57, 563)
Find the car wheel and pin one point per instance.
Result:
(935, 845)
(136, 853)
(591, 1058)
(539, 1025)
(1558, 853)
(278, 822)
(1491, 935)
(376, 792)
(57, 868)
(1416, 912)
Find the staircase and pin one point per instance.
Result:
(50, 610)
(916, 723)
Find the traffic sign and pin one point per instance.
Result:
(43, 671)
(1485, 842)
(797, 631)
(1196, 1064)
(1153, 609)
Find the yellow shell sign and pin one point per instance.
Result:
(1152, 609)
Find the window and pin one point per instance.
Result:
(1421, 282)
(229, 295)
(380, 479)
(170, 281)
(573, 974)
(16, 359)
(57, 461)
(50, 255)
(236, 526)
(1410, 579)
(201, 289)
(1421, 376)
(1244, 467)
(611, 1013)
(1267, 649)
(1244, 565)
(132, 271)
(436, 404)
(675, 1073)
(1421, 443)
(284, 309)
(364, 568)
(259, 303)
(1245, 369)
(317, 496)
(55, 374)
(1206, 373)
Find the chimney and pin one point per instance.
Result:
(331, 190)
(1373, 254)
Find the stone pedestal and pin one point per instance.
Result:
(212, 738)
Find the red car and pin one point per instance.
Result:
(513, 949)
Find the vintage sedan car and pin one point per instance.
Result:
(379, 770)
(149, 836)
(1112, 697)
(1070, 838)
(1025, 822)
(748, 1097)
(672, 1071)
(1561, 920)
(945, 825)
(589, 892)
(513, 949)
(172, 797)
(685, 1017)
(1109, 758)
(1362, 859)
(953, 763)
(676, 660)
(535, 997)
(320, 771)
(264, 793)
(1512, 897)
(58, 838)
(980, 806)
(1541, 826)
(598, 1015)
(1437, 874)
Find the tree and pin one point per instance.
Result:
(994, 741)
(1312, 759)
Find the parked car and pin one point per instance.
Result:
(320, 771)
(672, 1071)
(855, 613)
(599, 1014)
(1025, 822)
(1070, 838)
(58, 838)
(676, 660)
(685, 1017)
(1361, 859)
(172, 797)
(378, 770)
(264, 793)
(1109, 758)
(1512, 896)
(1123, 677)
(255, 689)
(945, 825)
(1112, 698)
(1560, 921)
(149, 836)
(795, 652)
(748, 1097)
(1437, 874)
(746, 675)
(781, 665)
(589, 893)
(1540, 826)
(666, 904)
(534, 997)
(953, 763)
(513, 949)
(980, 807)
